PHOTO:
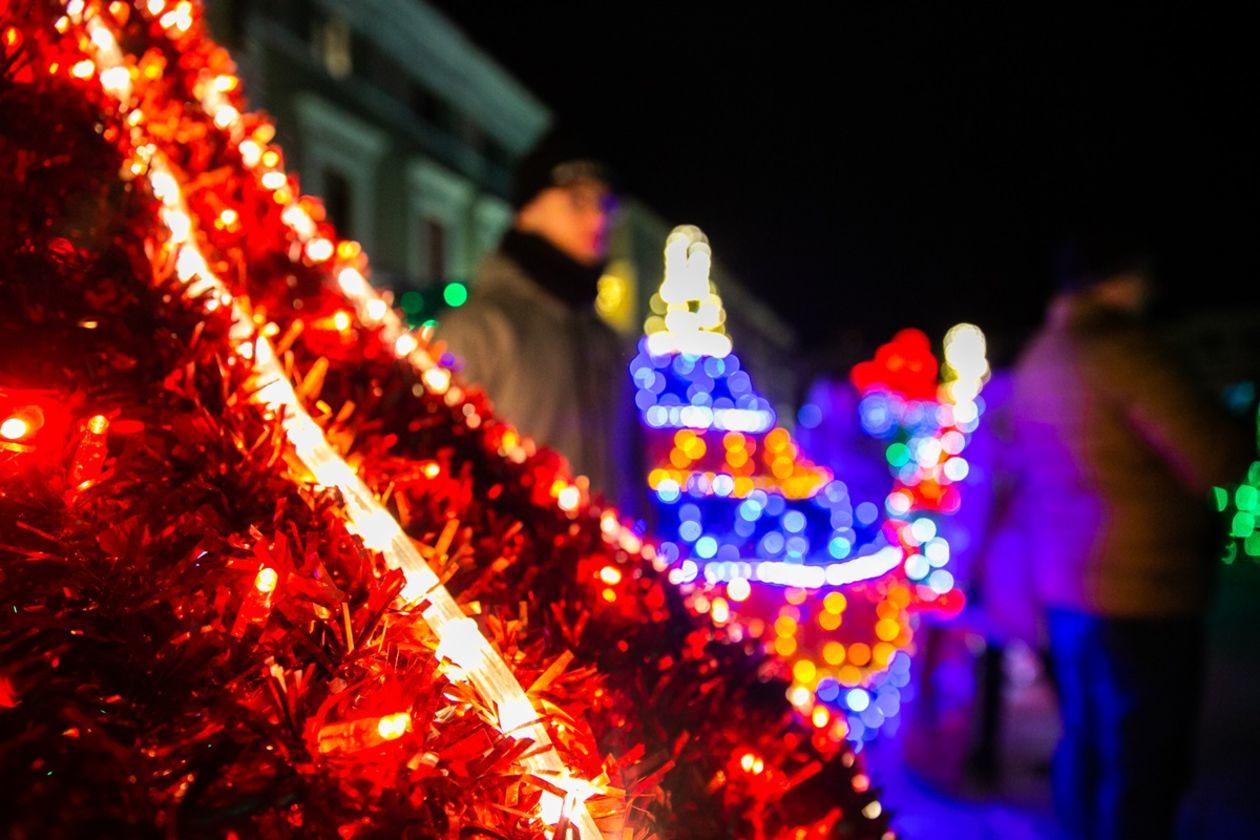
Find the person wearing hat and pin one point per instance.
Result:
(1117, 453)
(529, 335)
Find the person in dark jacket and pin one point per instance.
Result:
(529, 334)
(1119, 453)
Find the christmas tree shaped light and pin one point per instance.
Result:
(762, 539)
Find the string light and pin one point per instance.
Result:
(469, 650)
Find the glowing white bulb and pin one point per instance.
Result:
(352, 282)
(569, 498)
(251, 153)
(405, 344)
(226, 116)
(14, 428)
(436, 379)
(393, 727)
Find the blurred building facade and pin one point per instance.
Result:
(400, 123)
(409, 133)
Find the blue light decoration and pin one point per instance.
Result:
(769, 544)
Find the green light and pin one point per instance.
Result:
(1253, 474)
(898, 455)
(432, 322)
(1222, 498)
(412, 302)
(1253, 545)
(1244, 525)
(455, 294)
(1231, 553)
(1246, 498)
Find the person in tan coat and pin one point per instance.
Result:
(1119, 453)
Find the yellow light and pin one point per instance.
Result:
(821, 717)
(785, 625)
(98, 424)
(721, 612)
(800, 696)
(859, 654)
(228, 217)
(873, 810)
(155, 7)
(738, 590)
(82, 69)
(341, 320)
(887, 629)
(225, 83)
(432, 470)
(785, 646)
(828, 620)
(393, 727)
(849, 676)
(15, 428)
(777, 439)
(274, 180)
(834, 602)
(833, 653)
(747, 761)
(804, 672)
(266, 580)
(610, 575)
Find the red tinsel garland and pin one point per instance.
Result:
(155, 679)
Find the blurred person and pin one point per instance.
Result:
(1119, 452)
(529, 334)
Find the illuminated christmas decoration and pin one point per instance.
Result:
(770, 545)
(280, 572)
(1241, 508)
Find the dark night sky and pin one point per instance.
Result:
(909, 167)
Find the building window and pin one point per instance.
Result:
(333, 42)
(433, 235)
(339, 201)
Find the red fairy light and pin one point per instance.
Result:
(89, 456)
(362, 734)
(33, 426)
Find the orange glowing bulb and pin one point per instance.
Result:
(266, 580)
